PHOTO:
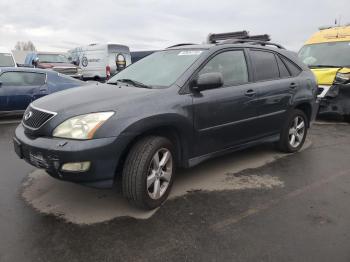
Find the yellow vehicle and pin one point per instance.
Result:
(327, 53)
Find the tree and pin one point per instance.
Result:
(25, 46)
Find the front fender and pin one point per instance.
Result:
(130, 129)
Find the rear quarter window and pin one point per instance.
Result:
(292, 68)
(284, 72)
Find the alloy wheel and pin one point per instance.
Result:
(159, 173)
(297, 132)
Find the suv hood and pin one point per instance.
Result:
(92, 98)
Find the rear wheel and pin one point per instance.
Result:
(294, 132)
(148, 172)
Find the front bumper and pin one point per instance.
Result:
(51, 153)
(336, 101)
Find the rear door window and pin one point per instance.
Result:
(231, 64)
(22, 79)
(265, 65)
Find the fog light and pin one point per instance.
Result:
(76, 167)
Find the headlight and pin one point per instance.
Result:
(342, 78)
(81, 127)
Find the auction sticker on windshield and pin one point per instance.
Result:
(190, 52)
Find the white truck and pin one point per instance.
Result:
(100, 61)
(6, 58)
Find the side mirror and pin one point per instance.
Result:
(35, 62)
(0, 84)
(208, 81)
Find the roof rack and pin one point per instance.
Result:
(182, 44)
(241, 37)
(213, 38)
(264, 37)
(252, 42)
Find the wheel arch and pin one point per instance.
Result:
(176, 133)
(306, 107)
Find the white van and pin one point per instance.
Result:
(6, 58)
(100, 61)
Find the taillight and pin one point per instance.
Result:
(108, 72)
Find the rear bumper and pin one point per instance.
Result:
(51, 153)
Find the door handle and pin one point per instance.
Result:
(250, 93)
(293, 85)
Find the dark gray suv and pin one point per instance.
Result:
(174, 108)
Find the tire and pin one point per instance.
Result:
(289, 130)
(140, 169)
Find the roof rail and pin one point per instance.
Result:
(213, 38)
(182, 44)
(252, 42)
(241, 37)
(325, 27)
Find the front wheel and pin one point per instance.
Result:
(148, 172)
(294, 132)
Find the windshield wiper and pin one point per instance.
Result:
(324, 66)
(134, 83)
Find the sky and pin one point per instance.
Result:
(155, 24)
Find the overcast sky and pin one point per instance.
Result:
(151, 24)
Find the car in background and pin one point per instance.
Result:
(6, 58)
(100, 61)
(55, 61)
(327, 53)
(174, 108)
(20, 86)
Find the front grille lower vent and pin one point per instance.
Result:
(35, 118)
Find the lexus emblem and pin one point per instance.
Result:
(28, 115)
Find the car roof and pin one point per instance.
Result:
(190, 46)
(221, 46)
(289, 54)
(27, 69)
(4, 50)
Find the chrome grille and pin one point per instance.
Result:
(34, 118)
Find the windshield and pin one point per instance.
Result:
(160, 69)
(326, 54)
(52, 58)
(6, 60)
